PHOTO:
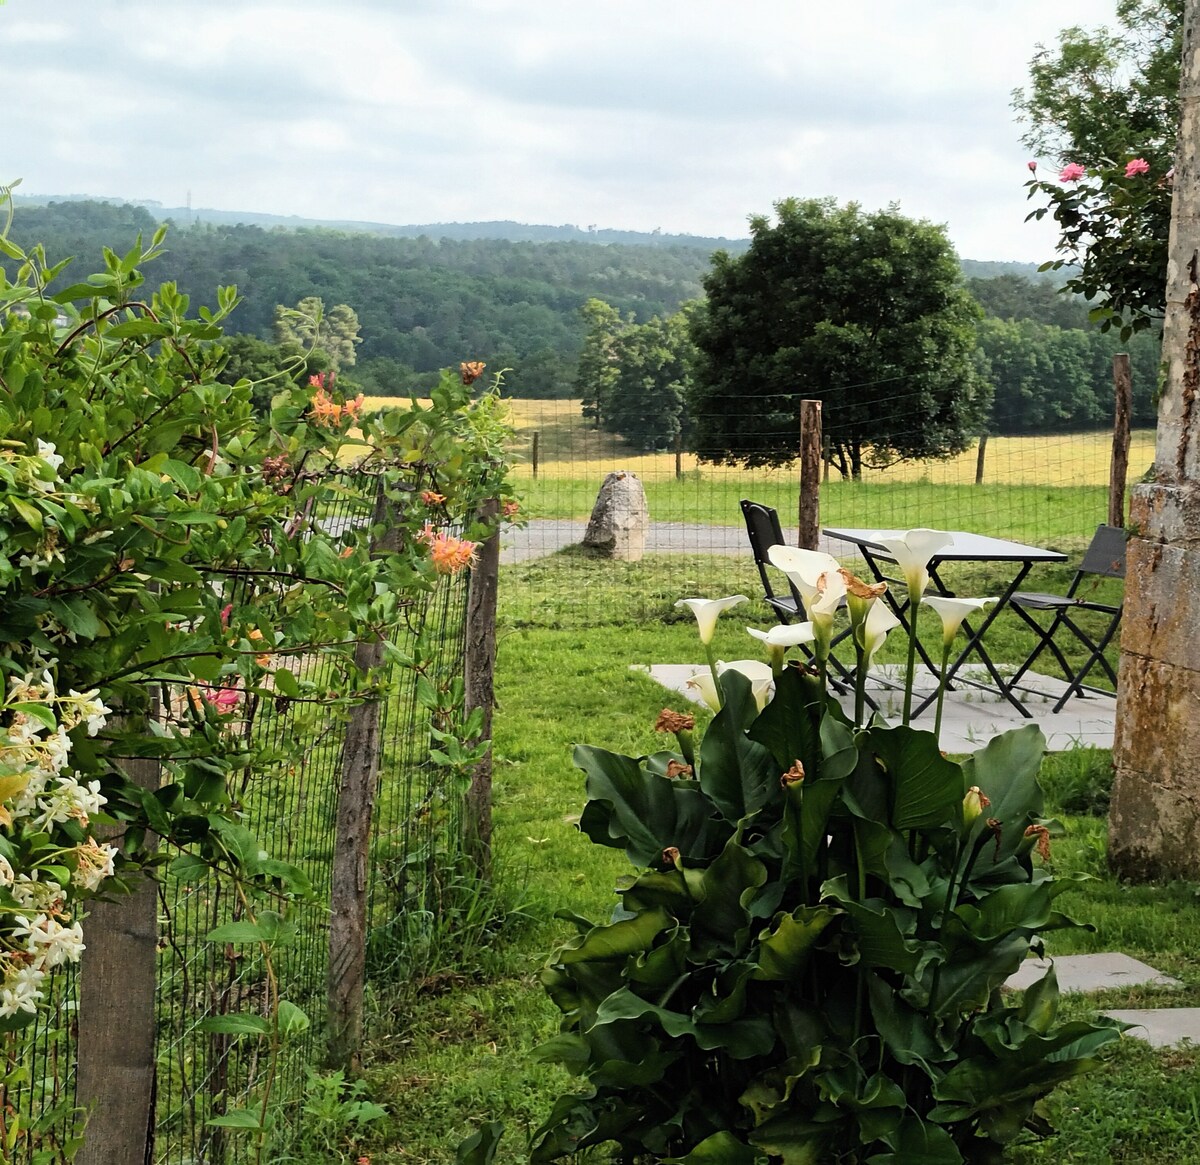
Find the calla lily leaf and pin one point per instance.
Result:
(926, 788)
(721, 1148)
(739, 774)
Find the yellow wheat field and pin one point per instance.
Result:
(569, 446)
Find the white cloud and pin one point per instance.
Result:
(687, 115)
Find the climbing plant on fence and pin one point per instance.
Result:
(185, 594)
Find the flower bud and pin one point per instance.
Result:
(974, 803)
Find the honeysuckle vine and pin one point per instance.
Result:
(167, 553)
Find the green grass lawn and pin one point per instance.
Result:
(454, 1049)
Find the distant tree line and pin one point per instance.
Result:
(607, 323)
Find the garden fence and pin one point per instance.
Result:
(417, 866)
(1050, 490)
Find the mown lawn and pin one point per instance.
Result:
(454, 1049)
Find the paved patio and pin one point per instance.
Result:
(971, 716)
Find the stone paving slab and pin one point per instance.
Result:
(1161, 1027)
(971, 716)
(1099, 972)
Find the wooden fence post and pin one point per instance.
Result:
(979, 455)
(678, 456)
(1119, 468)
(348, 875)
(115, 1079)
(810, 474)
(536, 442)
(479, 666)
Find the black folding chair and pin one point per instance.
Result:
(1105, 558)
(762, 525)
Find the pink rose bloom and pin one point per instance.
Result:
(1032, 167)
(1137, 166)
(225, 701)
(1072, 172)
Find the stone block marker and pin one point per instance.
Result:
(620, 518)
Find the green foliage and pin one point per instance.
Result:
(596, 370)
(866, 312)
(308, 327)
(1101, 99)
(806, 962)
(645, 400)
(1049, 379)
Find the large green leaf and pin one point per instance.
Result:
(616, 940)
(1006, 769)
(793, 1139)
(918, 1142)
(739, 774)
(480, 1147)
(878, 930)
(926, 788)
(1006, 910)
(721, 1148)
(721, 921)
(642, 813)
(740, 1040)
(909, 1034)
(783, 952)
(790, 725)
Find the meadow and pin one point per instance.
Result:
(457, 1049)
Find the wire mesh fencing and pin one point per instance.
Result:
(293, 751)
(1048, 490)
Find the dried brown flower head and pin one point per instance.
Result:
(670, 856)
(471, 370)
(678, 769)
(1042, 833)
(859, 589)
(669, 721)
(793, 776)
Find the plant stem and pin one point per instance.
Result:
(941, 696)
(912, 665)
(860, 685)
(712, 668)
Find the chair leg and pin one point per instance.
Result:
(1046, 640)
(1096, 656)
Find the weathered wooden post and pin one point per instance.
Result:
(537, 435)
(348, 891)
(1119, 466)
(479, 667)
(679, 457)
(979, 456)
(810, 474)
(115, 1078)
(1154, 822)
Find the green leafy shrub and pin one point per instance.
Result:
(807, 963)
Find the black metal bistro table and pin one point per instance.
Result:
(965, 547)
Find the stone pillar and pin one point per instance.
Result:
(620, 519)
(1155, 816)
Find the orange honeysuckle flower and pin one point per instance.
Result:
(450, 555)
(432, 498)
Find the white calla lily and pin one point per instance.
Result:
(782, 636)
(953, 611)
(818, 578)
(912, 552)
(758, 673)
(880, 620)
(707, 611)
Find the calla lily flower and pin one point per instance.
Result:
(819, 580)
(912, 552)
(758, 673)
(781, 637)
(879, 621)
(707, 612)
(953, 611)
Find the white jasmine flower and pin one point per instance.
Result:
(20, 990)
(48, 452)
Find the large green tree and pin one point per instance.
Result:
(309, 326)
(864, 312)
(1102, 107)
(645, 401)
(596, 371)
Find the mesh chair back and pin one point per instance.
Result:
(764, 530)
(1106, 554)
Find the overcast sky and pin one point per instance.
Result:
(683, 115)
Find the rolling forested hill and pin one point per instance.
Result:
(426, 302)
